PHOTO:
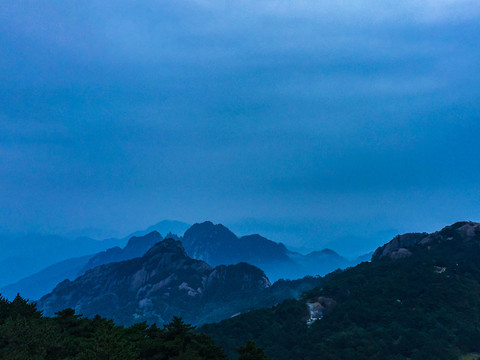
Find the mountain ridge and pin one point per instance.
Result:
(136, 246)
(204, 241)
(216, 244)
(163, 283)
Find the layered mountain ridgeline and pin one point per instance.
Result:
(27, 259)
(23, 255)
(165, 282)
(418, 299)
(38, 284)
(216, 244)
(137, 246)
(164, 227)
(26, 334)
(33, 287)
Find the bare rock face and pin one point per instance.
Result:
(402, 246)
(470, 229)
(318, 307)
(165, 282)
(391, 249)
(401, 253)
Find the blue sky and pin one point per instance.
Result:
(311, 122)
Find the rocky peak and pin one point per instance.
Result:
(468, 229)
(248, 276)
(166, 246)
(199, 229)
(401, 246)
(172, 236)
(211, 243)
(399, 243)
(462, 230)
(207, 229)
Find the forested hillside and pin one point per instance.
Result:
(25, 335)
(417, 300)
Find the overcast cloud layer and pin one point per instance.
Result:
(308, 121)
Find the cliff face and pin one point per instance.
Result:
(155, 287)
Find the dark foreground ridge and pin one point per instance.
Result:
(25, 334)
(419, 298)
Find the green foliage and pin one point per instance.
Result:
(251, 352)
(386, 309)
(27, 335)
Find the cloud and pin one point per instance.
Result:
(143, 110)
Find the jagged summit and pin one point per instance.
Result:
(166, 247)
(172, 236)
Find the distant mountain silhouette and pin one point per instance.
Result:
(163, 227)
(26, 279)
(35, 286)
(137, 246)
(216, 244)
(23, 255)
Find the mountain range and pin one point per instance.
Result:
(39, 283)
(418, 297)
(165, 282)
(214, 244)
(35, 286)
(42, 282)
(23, 255)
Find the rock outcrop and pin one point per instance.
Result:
(401, 246)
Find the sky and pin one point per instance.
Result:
(316, 123)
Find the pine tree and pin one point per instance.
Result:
(251, 352)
